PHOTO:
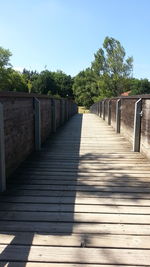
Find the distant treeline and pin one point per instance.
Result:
(109, 75)
(56, 84)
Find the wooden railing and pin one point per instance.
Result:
(129, 116)
(26, 121)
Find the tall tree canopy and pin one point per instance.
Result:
(85, 87)
(4, 68)
(109, 73)
(53, 83)
(4, 58)
(10, 80)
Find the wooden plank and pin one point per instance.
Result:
(86, 188)
(83, 177)
(104, 155)
(77, 200)
(69, 255)
(87, 166)
(52, 161)
(38, 264)
(110, 174)
(75, 240)
(37, 179)
(78, 228)
(74, 217)
(113, 182)
(75, 208)
(95, 194)
(84, 165)
(90, 172)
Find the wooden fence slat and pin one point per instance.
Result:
(103, 109)
(53, 115)
(109, 112)
(118, 113)
(137, 125)
(2, 152)
(37, 111)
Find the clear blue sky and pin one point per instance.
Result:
(64, 34)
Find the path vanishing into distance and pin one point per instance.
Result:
(83, 200)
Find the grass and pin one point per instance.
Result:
(82, 110)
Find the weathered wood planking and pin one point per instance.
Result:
(76, 228)
(38, 264)
(76, 255)
(78, 200)
(75, 240)
(24, 216)
(61, 207)
(84, 200)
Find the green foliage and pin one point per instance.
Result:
(44, 83)
(4, 68)
(63, 83)
(4, 58)
(10, 80)
(139, 87)
(17, 82)
(56, 84)
(108, 76)
(53, 83)
(99, 64)
(29, 77)
(111, 66)
(85, 87)
(116, 63)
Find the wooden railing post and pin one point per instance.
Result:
(118, 113)
(53, 115)
(66, 110)
(62, 110)
(137, 125)
(109, 112)
(2, 152)
(37, 125)
(103, 109)
(100, 108)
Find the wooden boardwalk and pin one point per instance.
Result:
(84, 200)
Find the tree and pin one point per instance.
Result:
(85, 88)
(108, 76)
(99, 64)
(111, 65)
(115, 58)
(16, 82)
(45, 84)
(4, 68)
(4, 58)
(64, 83)
(30, 77)
(52, 83)
(56, 84)
(139, 87)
